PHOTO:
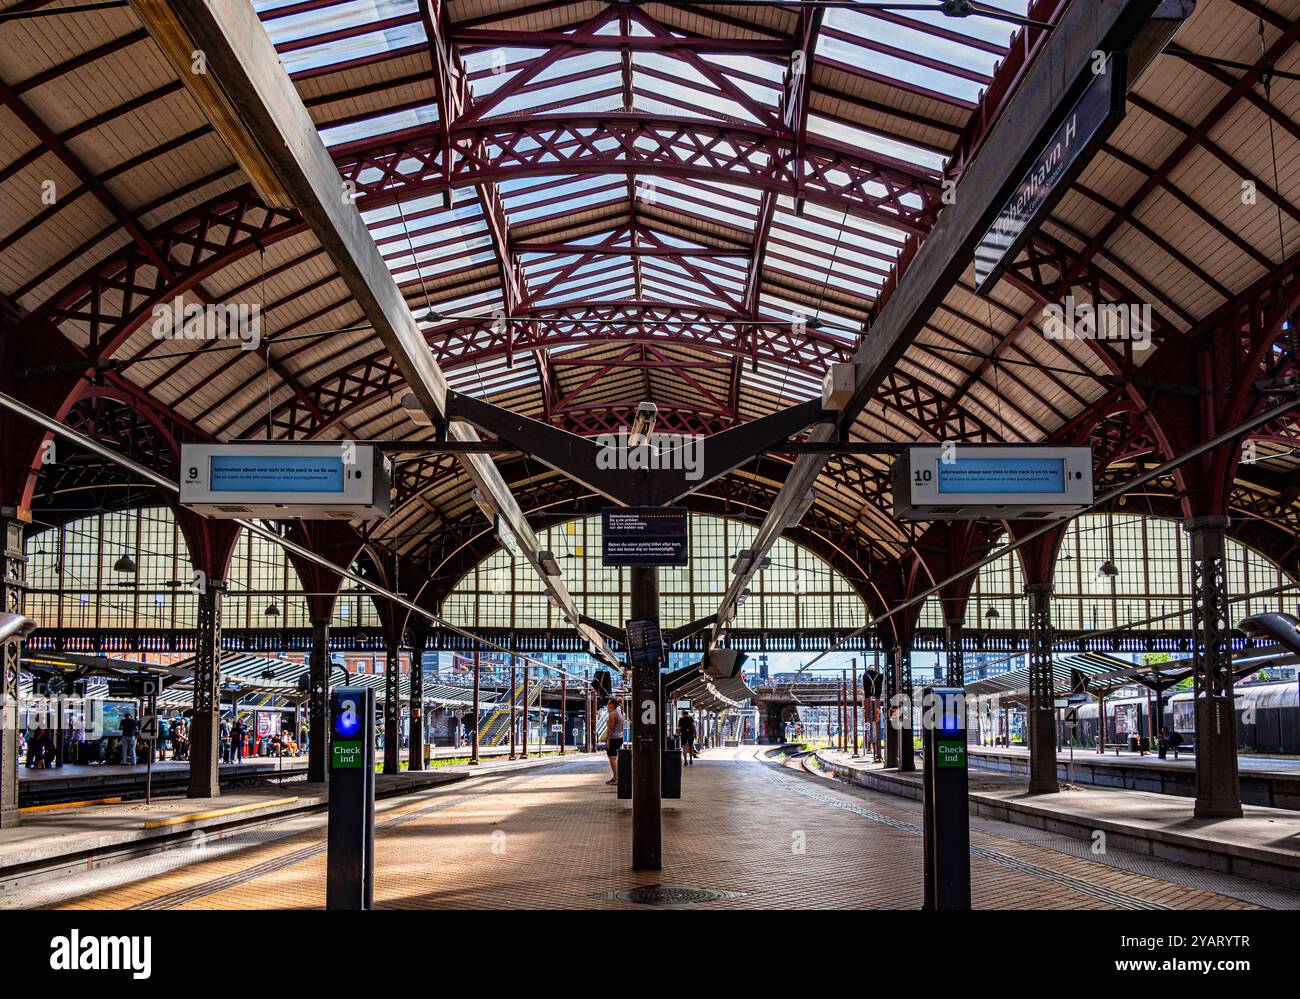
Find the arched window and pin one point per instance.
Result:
(131, 570)
(1152, 579)
(798, 590)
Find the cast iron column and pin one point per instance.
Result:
(647, 734)
(1218, 790)
(205, 781)
(524, 754)
(906, 751)
(1042, 713)
(853, 696)
(893, 681)
(318, 696)
(392, 707)
(564, 706)
(956, 669)
(13, 565)
(415, 759)
(473, 733)
(514, 694)
(839, 715)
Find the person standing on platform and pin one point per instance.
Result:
(1175, 740)
(223, 740)
(613, 737)
(686, 734)
(304, 737)
(1162, 743)
(237, 741)
(128, 727)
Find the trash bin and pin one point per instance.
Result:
(625, 772)
(671, 774)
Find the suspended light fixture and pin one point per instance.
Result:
(124, 564)
(272, 610)
(1108, 569)
(991, 614)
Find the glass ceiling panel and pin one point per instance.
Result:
(821, 247)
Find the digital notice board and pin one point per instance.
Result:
(340, 480)
(1002, 475)
(644, 535)
(993, 482)
(285, 473)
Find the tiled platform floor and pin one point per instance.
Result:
(558, 838)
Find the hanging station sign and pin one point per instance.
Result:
(656, 535)
(1062, 158)
(342, 480)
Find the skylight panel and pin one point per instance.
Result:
(769, 69)
(783, 381)
(938, 83)
(572, 95)
(871, 142)
(382, 124)
(777, 307)
(911, 39)
(326, 20)
(354, 47)
(488, 68)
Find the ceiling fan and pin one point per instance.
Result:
(950, 8)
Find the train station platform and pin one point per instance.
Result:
(746, 833)
(61, 785)
(1271, 781)
(56, 839)
(1263, 845)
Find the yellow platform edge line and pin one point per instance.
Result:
(217, 813)
(30, 809)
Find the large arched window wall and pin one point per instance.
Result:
(1152, 566)
(799, 590)
(131, 569)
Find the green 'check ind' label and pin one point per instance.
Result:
(950, 753)
(347, 756)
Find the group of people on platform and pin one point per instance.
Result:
(41, 748)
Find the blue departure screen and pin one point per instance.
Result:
(1002, 475)
(272, 473)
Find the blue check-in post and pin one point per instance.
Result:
(947, 812)
(350, 878)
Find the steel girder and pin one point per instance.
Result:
(638, 143)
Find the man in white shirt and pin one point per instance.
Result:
(613, 737)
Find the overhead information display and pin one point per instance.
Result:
(991, 482)
(1002, 475)
(235, 473)
(340, 480)
(644, 535)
